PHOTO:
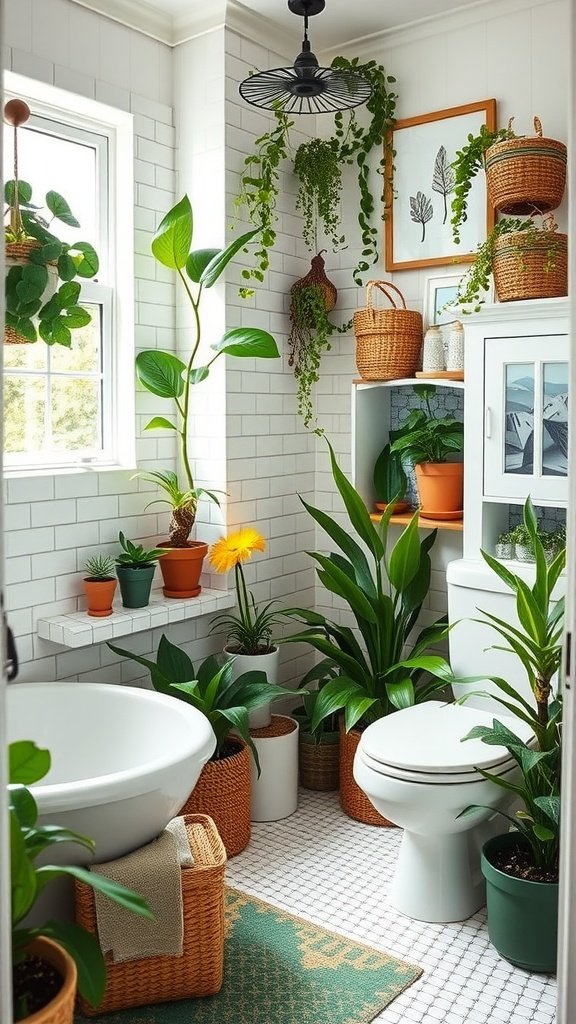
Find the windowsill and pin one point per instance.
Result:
(77, 629)
(19, 473)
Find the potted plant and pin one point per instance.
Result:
(223, 790)
(167, 376)
(522, 540)
(99, 585)
(135, 568)
(521, 866)
(318, 747)
(428, 442)
(42, 294)
(390, 480)
(384, 591)
(249, 634)
(505, 545)
(50, 958)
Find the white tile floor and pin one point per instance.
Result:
(336, 872)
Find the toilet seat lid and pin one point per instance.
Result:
(428, 738)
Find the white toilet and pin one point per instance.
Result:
(418, 773)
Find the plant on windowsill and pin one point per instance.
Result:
(51, 958)
(135, 568)
(99, 585)
(167, 376)
(41, 294)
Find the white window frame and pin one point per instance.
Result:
(114, 285)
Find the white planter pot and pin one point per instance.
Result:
(275, 793)
(267, 663)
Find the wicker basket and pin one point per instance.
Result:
(319, 761)
(223, 792)
(526, 175)
(388, 341)
(353, 800)
(530, 265)
(198, 972)
(18, 252)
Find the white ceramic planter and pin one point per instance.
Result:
(275, 793)
(267, 663)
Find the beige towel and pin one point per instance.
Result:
(154, 872)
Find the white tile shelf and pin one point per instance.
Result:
(77, 629)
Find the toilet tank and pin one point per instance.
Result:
(472, 587)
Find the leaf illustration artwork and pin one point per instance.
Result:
(421, 211)
(443, 179)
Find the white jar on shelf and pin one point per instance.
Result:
(433, 351)
(455, 357)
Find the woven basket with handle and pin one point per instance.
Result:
(198, 972)
(530, 265)
(388, 341)
(527, 174)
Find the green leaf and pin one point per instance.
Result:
(247, 342)
(160, 423)
(76, 317)
(85, 950)
(87, 263)
(161, 373)
(23, 804)
(404, 560)
(198, 261)
(24, 191)
(339, 583)
(348, 545)
(173, 662)
(25, 328)
(199, 374)
(401, 694)
(173, 238)
(61, 210)
(356, 509)
(32, 283)
(27, 763)
(66, 267)
(22, 872)
(220, 261)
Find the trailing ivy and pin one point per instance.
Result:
(310, 333)
(318, 169)
(469, 160)
(477, 278)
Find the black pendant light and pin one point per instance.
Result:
(306, 88)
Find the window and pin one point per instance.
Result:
(62, 405)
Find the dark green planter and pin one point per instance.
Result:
(522, 915)
(135, 584)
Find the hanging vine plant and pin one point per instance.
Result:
(318, 165)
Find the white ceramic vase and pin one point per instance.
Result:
(267, 663)
(274, 795)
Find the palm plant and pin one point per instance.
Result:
(183, 503)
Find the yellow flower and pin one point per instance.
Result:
(236, 547)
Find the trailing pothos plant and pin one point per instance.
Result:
(310, 333)
(42, 295)
(469, 160)
(167, 376)
(318, 165)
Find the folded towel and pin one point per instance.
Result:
(154, 872)
(178, 829)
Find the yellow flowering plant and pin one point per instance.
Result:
(249, 632)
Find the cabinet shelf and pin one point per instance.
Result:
(404, 382)
(457, 525)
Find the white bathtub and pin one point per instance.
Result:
(124, 759)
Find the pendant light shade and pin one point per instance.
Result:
(306, 88)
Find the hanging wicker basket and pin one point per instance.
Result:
(223, 792)
(526, 175)
(18, 253)
(530, 265)
(388, 341)
(353, 800)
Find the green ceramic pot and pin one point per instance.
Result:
(135, 584)
(522, 915)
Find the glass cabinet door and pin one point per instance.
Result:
(526, 418)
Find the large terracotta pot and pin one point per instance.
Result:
(181, 568)
(99, 595)
(268, 663)
(223, 792)
(60, 1009)
(353, 800)
(440, 487)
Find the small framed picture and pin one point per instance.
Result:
(441, 292)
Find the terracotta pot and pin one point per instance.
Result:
(59, 1010)
(181, 568)
(440, 487)
(353, 800)
(223, 792)
(99, 595)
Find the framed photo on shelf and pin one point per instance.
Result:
(421, 184)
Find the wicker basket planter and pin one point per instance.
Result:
(198, 972)
(223, 792)
(353, 801)
(388, 341)
(60, 1009)
(530, 265)
(17, 254)
(526, 175)
(319, 761)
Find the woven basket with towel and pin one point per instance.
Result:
(180, 954)
(388, 341)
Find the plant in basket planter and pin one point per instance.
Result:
(223, 790)
(249, 634)
(99, 584)
(167, 376)
(428, 441)
(135, 568)
(51, 958)
(521, 866)
(384, 590)
(319, 745)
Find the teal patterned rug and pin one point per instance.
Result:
(280, 969)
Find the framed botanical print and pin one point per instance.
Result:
(421, 184)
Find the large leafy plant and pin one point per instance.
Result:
(28, 312)
(426, 437)
(166, 375)
(537, 643)
(27, 765)
(384, 589)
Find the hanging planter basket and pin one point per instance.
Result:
(530, 265)
(526, 175)
(18, 254)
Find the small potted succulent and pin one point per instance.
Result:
(135, 568)
(99, 584)
(505, 545)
